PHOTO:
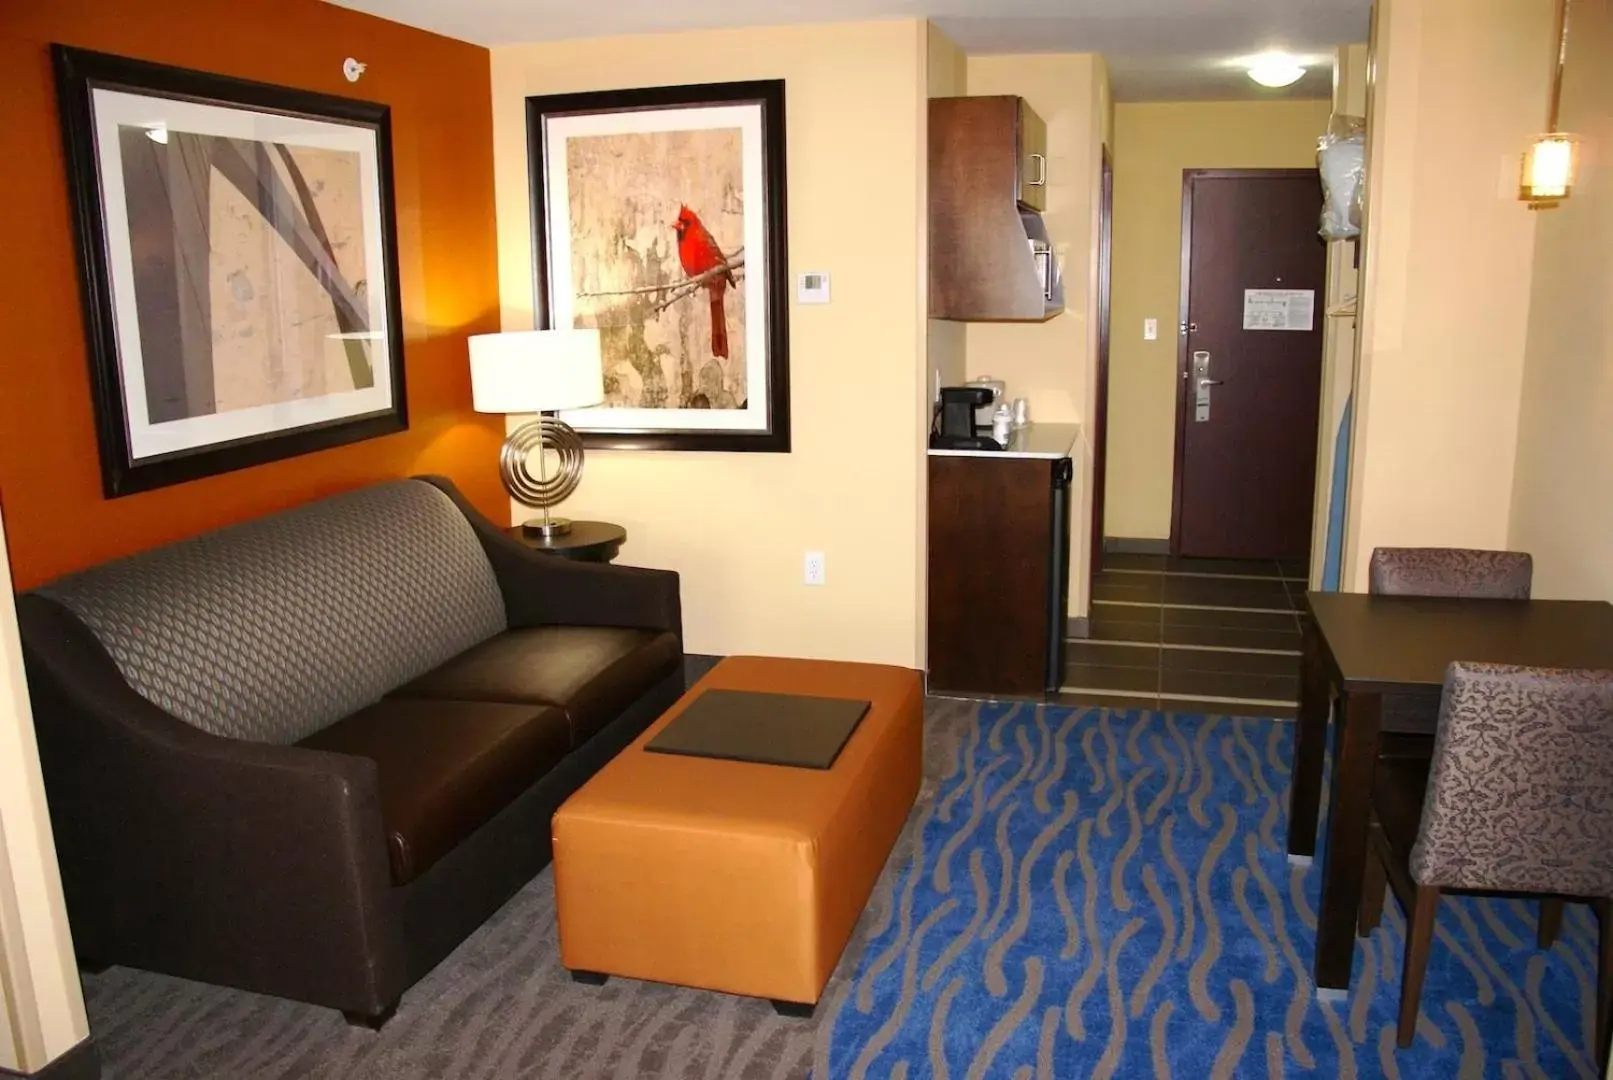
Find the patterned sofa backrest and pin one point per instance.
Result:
(275, 628)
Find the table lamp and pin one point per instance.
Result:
(538, 371)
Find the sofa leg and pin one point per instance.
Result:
(589, 978)
(374, 1020)
(794, 1010)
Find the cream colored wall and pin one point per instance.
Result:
(41, 1003)
(1047, 362)
(735, 526)
(1560, 510)
(947, 342)
(1052, 364)
(1460, 87)
(1338, 333)
(1154, 143)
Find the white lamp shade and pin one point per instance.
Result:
(532, 371)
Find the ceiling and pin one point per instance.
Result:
(1158, 50)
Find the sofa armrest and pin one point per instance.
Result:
(233, 862)
(541, 590)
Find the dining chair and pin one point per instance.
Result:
(1518, 798)
(1466, 573)
(1458, 573)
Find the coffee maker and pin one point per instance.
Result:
(955, 426)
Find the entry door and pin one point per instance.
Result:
(1250, 366)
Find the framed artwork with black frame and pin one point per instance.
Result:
(238, 258)
(658, 217)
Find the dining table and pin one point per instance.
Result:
(1383, 659)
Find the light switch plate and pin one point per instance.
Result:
(1150, 329)
(812, 287)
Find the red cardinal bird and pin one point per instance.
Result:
(699, 252)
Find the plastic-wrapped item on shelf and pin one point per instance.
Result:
(1341, 158)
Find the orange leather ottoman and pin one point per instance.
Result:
(734, 876)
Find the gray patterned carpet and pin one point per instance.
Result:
(999, 968)
(500, 1006)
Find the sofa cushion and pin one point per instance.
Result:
(446, 767)
(271, 629)
(592, 672)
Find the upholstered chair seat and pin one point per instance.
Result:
(1518, 798)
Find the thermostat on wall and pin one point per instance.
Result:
(813, 287)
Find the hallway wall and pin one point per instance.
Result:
(1153, 144)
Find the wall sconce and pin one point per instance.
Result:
(1548, 171)
(1552, 159)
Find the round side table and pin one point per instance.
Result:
(587, 541)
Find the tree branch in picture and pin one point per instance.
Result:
(358, 358)
(245, 164)
(676, 290)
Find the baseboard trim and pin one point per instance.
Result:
(1126, 545)
(82, 1062)
(1078, 628)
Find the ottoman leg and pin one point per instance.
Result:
(795, 1010)
(375, 1020)
(589, 978)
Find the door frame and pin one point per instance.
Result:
(1183, 285)
(1100, 415)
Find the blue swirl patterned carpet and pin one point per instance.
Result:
(1088, 893)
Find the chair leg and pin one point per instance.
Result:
(1373, 885)
(1604, 981)
(1551, 921)
(1419, 938)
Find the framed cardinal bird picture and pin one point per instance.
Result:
(658, 217)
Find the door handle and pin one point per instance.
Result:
(1201, 385)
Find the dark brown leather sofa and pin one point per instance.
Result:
(309, 754)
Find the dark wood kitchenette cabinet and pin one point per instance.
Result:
(999, 543)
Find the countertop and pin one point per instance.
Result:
(1031, 441)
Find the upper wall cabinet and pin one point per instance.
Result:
(990, 257)
(1030, 150)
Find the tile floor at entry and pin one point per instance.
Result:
(1199, 635)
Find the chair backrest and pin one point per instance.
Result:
(1520, 796)
(275, 628)
(1457, 572)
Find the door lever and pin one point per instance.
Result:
(1201, 385)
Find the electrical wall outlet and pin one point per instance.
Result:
(813, 570)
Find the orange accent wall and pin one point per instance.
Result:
(438, 88)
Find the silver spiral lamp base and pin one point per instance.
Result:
(542, 491)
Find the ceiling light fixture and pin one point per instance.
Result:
(1275, 69)
(1550, 162)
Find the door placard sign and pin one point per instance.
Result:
(1279, 309)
